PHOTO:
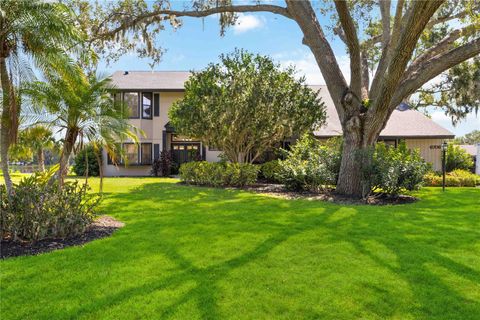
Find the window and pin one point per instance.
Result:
(146, 153)
(146, 105)
(131, 101)
(131, 153)
(156, 105)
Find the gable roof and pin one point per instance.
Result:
(150, 80)
(402, 124)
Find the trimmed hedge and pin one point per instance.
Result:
(218, 174)
(456, 178)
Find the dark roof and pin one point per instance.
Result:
(402, 124)
(150, 80)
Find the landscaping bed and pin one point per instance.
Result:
(278, 190)
(100, 228)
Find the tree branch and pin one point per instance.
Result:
(198, 14)
(445, 44)
(314, 37)
(432, 68)
(353, 45)
(413, 25)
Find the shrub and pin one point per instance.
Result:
(391, 170)
(457, 158)
(218, 173)
(80, 162)
(270, 170)
(456, 178)
(311, 165)
(164, 166)
(38, 209)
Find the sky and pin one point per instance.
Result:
(198, 43)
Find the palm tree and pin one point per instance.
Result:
(38, 138)
(83, 108)
(33, 30)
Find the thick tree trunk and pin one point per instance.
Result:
(41, 159)
(350, 176)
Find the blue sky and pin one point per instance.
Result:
(198, 43)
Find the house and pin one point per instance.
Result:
(473, 151)
(149, 95)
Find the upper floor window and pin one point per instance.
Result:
(131, 102)
(147, 105)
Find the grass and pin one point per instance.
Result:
(201, 253)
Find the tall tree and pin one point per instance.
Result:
(33, 30)
(402, 66)
(83, 108)
(245, 105)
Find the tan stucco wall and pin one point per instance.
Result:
(429, 150)
(153, 130)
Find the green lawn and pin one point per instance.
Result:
(200, 253)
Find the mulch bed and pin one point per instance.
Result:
(278, 190)
(102, 227)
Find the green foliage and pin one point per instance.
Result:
(458, 93)
(391, 170)
(470, 138)
(457, 158)
(39, 209)
(87, 155)
(270, 170)
(456, 178)
(245, 105)
(311, 165)
(219, 173)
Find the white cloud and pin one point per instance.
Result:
(247, 22)
(307, 66)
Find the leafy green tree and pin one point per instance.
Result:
(83, 107)
(457, 158)
(470, 138)
(404, 44)
(85, 162)
(37, 31)
(244, 105)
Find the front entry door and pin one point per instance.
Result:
(185, 151)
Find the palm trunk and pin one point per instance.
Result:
(86, 166)
(6, 123)
(100, 170)
(41, 159)
(69, 142)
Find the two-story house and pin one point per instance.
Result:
(149, 95)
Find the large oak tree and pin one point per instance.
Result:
(384, 36)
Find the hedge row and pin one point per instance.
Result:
(217, 174)
(456, 178)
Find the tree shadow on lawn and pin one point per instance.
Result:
(183, 224)
(418, 236)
